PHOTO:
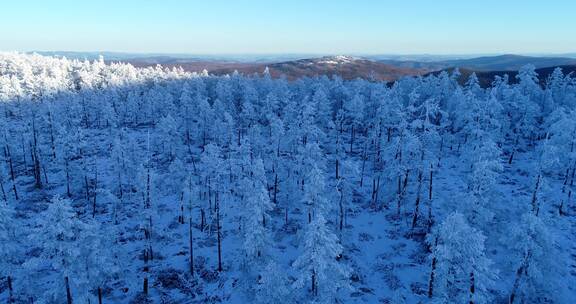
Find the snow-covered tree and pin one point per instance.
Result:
(11, 247)
(538, 265)
(273, 286)
(461, 272)
(169, 136)
(319, 267)
(255, 214)
(69, 248)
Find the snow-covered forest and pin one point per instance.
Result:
(147, 185)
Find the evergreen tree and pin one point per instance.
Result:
(539, 267)
(318, 265)
(461, 271)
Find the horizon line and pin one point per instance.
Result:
(291, 53)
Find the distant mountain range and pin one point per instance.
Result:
(380, 67)
(347, 67)
(508, 62)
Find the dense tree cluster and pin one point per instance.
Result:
(104, 165)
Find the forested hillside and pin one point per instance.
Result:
(148, 185)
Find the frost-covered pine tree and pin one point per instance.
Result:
(168, 137)
(213, 167)
(312, 168)
(256, 206)
(69, 249)
(461, 272)
(320, 271)
(212, 178)
(355, 110)
(539, 267)
(273, 285)
(482, 197)
(11, 248)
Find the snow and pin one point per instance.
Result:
(199, 142)
(336, 60)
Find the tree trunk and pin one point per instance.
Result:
(148, 202)
(352, 139)
(191, 247)
(519, 272)
(561, 207)
(535, 206)
(218, 232)
(52, 142)
(150, 237)
(4, 196)
(377, 191)
(431, 280)
(95, 193)
(145, 286)
(472, 288)
(87, 188)
(181, 215)
(405, 185)
(417, 207)
(364, 156)
(511, 157)
(10, 291)
(12, 175)
(372, 198)
(430, 185)
(399, 190)
(202, 220)
(68, 292)
(36, 168)
(99, 295)
(313, 283)
(341, 210)
(275, 189)
(566, 178)
(24, 153)
(68, 179)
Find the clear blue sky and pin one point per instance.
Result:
(290, 26)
